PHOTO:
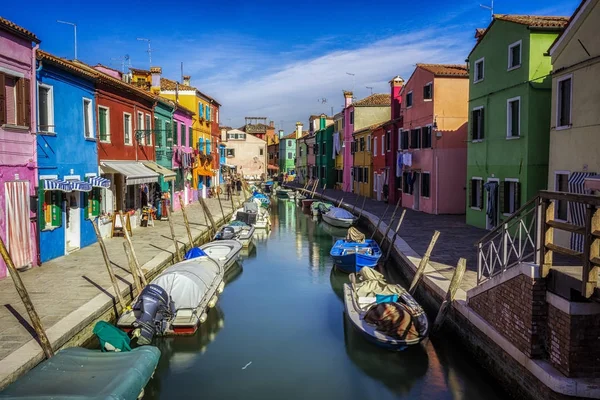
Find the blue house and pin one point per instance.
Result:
(69, 191)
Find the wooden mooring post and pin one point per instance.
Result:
(132, 270)
(314, 191)
(186, 222)
(208, 214)
(340, 203)
(111, 273)
(423, 263)
(172, 229)
(379, 222)
(459, 273)
(221, 205)
(362, 207)
(389, 250)
(355, 203)
(137, 266)
(387, 231)
(22, 291)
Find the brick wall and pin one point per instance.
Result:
(573, 343)
(517, 310)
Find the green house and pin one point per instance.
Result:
(287, 153)
(164, 136)
(509, 115)
(324, 152)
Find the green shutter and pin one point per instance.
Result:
(191, 137)
(56, 208)
(175, 134)
(40, 214)
(102, 123)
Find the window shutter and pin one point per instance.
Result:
(503, 196)
(480, 183)
(471, 200)
(191, 137)
(40, 214)
(482, 123)
(20, 102)
(517, 195)
(2, 99)
(56, 208)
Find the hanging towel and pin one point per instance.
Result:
(492, 214)
(399, 164)
(337, 146)
(407, 159)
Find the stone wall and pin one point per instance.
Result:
(517, 309)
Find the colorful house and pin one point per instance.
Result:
(311, 158)
(245, 153)
(302, 158)
(164, 134)
(69, 189)
(324, 157)
(273, 156)
(509, 115)
(183, 140)
(338, 148)
(287, 153)
(433, 139)
(363, 163)
(574, 142)
(18, 173)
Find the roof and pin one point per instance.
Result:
(104, 66)
(290, 136)
(451, 70)
(19, 30)
(374, 100)
(139, 71)
(63, 63)
(371, 127)
(534, 21)
(576, 14)
(169, 84)
(479, 32)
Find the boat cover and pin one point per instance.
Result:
(250, 207)
(194, 252)
(188, 282)
(81, 374)
(339, 213)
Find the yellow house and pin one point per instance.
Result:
(363, 165)
(338, 129)
(574, 159)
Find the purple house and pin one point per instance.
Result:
(18, 172)
(182, 156)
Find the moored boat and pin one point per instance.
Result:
(176, 301)
(339, 217)
(320, 207)
(386, 314)
(252, 214)
(236, 230)
(224, 252)
(355, 252)
(284, 193)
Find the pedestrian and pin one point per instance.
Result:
(228, 187)
(239, 186)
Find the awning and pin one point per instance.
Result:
(167, 174)
(273, 167)
(97, 181)
(228, 166)
(592, 182)
(80, 186)
(56, 184)
(135, 173)
(204, 171)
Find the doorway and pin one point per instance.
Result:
(492, 203)
(73, 214)
(416, 190)
(18, 226)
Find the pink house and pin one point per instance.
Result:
(433, 139)
(182, 157)
(18, 172)
(348, 128)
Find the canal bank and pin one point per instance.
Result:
(73, 292)
(507, 354)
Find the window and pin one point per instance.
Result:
(476, 193)
(382, 144)
(127, 128)
(415, 138)
(478, 70)
(200, 110)
(514, 55)
(208, 113)
(140, 128)
(428, 91)
(366, 174)
(407, 187)
(368, 142)
(375, 146)
(190, 136)
(563, 103)
(230, 152)
(323, 149)
(103, 124)
(290, 155)
(477, 124)
(409, 99)
(45, 108)
(158, 131)
(168, 133)
(399, 183)
(352, 117)
(513, 117)
(175, 133)
(512, 197)
(425, 184)
(148, 130)
(52, 209)
(561, 184)
(323, 172)
(362, 144)
(404, 140)
(426, 136)
(15, 104)
(289, 143)
(388, 140)
(88, 130)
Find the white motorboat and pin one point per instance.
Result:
(225, 252)
(236, 230)
(252, 214)
(339, 217)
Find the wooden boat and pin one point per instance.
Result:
(320, 207)
(78, 373)
(252, 214)
(176, 301)
(373, 319)
(339, 217)
(351, 257)
(236, 230)
(225, 252)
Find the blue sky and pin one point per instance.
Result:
(272, 58)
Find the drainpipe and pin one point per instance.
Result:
(33, 121)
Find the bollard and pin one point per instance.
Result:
(111, 273)
(423, 263)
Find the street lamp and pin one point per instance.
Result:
(75, 29)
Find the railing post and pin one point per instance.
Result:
(588, 283)
(547, 236)
(539, 229)
(504, 247)
(479, 262)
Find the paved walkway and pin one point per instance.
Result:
(62, 286)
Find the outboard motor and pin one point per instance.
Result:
(227, 233)
(153, 309)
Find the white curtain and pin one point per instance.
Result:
(18, 236)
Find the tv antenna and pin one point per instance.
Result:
(123, 60)
(149, 51)
(491, 8)
(371, 88)
(322, 100)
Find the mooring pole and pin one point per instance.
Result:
(387, 231)
(111, 273)
(341, 201)
(362, 207)
(454, 284)
(387, 255)
(185, 221)
(208, 214)
(423, 263)
(355, 203)
(169, 217)
(22, 291)
(138, 268)
(221, 206)
(132, 270)
(314, 191)
(379, 222)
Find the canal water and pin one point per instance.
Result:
(279, 332)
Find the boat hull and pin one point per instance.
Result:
(339, 222)
(346, 258)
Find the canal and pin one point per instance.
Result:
(279, 332)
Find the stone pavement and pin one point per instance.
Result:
(67, 284)
(457, 239)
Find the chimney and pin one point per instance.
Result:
(280, 133)
(347, 98)
(299, 127)
(271, 124)
(322, 121)
(396, 85)
(155, 73)
(186, 80)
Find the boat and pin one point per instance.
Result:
(78, 373)
(284, 193)
(335, 232)
(355, 252)
(339, 217)
(320, 207)
(261, 199)
(236, 230)
(371, 303)
(224, 252)
(176, 301)
(306, 203)
(252, 214)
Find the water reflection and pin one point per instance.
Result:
(337, 280)
(334, 231)
(234, 273)
(248, 252)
